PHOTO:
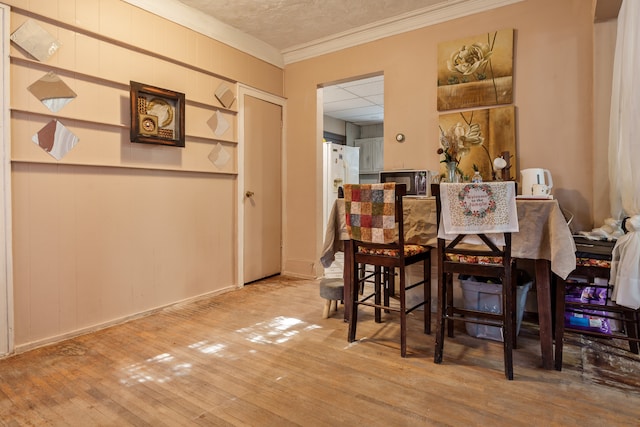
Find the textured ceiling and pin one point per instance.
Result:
(287, 23)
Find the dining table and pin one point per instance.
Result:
(544, 237)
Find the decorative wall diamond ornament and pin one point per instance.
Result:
(219, 156)
(225, 95)
(218, 123)
(55, 139)
(35, 40)
(52, 91)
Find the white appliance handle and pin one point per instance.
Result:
(550, 180)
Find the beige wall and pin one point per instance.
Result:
(115, 229)
(553, 96)
(604, 50)
(93, 245)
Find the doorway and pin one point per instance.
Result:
(260, 124)
(351, 113)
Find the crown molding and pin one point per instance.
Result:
(180, 13)
(184, 15)
(410, 21)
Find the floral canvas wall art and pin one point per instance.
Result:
(476, 138)
(476, 71)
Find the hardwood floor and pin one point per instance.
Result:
(263, 356)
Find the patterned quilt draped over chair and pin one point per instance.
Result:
(374, 220)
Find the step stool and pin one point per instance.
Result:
(332, 290)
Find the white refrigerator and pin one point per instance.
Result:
(341, 165)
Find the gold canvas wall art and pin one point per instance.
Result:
(482, 135)
(476, 71)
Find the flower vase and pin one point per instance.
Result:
(452, 172)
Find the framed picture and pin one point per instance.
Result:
(157, 115)
(476, 71)
(480, 136)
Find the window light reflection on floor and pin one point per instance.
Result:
(155, 369)
(206, 348)
(160, 369)
(276, 331)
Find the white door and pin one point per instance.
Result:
(261, 187)
(6, 282)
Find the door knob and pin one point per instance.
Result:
(249, 193)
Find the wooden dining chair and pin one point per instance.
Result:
(485, 258)
(374, 218)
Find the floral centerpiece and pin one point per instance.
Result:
(450, 144)
(455, 143)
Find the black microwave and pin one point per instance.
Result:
(418, 182)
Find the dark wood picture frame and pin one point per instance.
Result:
(157, 115)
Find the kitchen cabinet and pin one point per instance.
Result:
(371, 154)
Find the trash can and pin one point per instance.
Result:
(487, 297)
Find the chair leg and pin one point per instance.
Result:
(353, 317)
(378, 292)
(403, 314)
(326, 309)
(449, 303)
(508, 320)
(514, 307)
(559, 332)
(427, 295)
(391, 271)
(632, 326)
(362, 271)
(388, 286)
(440, 321)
